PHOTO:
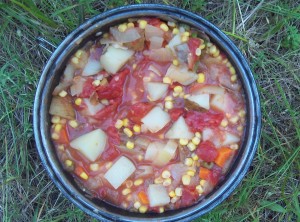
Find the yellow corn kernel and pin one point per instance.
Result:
(96, 82)
(172, 193)
(202, 46)
(69, 163)
(167, 80)
(166, 174)
(104, 102)
(122, 27)
(183, 142)
(209, 44)
(169, 105)
(129, 197)
(175, 94)
(201, 78)
(140, 157)
(190, 173)
(171, 24)
(196, 140)
(119, 124)
(199, 188)
(138, 182)
(73, 123)
(186, 96)
(224, 123)
(128, 183)
(188, 161)
(240, 128)
(130, 25)
(78, 101)
(216, 54)
(126, 122)
(134, 66)
(79, 53)
(137, 128)
(164, 27)
(212, 49)
(84, 176)
(137, 205)
(57, 128)
(61, 147)
(178, 191)
(233, 78)
(142, 24)
(175, 31)
(126, 191)
(161, 209)
(167, 182)
(232, 70)
(143, 209)
(195, 157)
(187, 34)
(225, 61)
(130, 145)
(55, 136)
(198, 52)
(198, 134)
(242, 113)
(175, 62)
(202, 183)
(104, 82)
(55, 119)
(174, 199)
(186, 179)
(234, 119)
(191, 146)
(168, 98)
(128, 132)
(158, 180)
(178, 89)
(94, 167)
(234, 146)
(63, 93)
(184, 38)
(108, 165)
(75, 60)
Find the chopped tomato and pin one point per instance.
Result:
(193, 44)
(207, 151)
(155, 22)
(110, 153)
(88, 88)
(215, 175)
(113, 135)
(175, 113)
(63, 136)
(138, 111)
(199, 120)
(188, 197)
(108, 110)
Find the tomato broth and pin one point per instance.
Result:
(148, 117)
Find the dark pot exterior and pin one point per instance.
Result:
(88, 31)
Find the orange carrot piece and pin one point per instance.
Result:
(224, 155)
(78, 170)
(204, 173)
(143, 197)
(63, 136)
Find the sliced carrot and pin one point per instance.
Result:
(63, 136)
(204, 173)
(78, 170)
(143, 197)
(224, 154)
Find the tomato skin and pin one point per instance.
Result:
(207, 151)
(106, 112)
(188, 197)
(193, 44)
(175, 113)
(215, 175)
(110, 153)
(197, 121)
(88, 88)
(138, 110)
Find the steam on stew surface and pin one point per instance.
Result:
(149, 117)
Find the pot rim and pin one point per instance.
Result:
(253, 112)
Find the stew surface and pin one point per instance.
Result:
(148, 117)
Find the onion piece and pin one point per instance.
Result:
(211, 89)
(181, 74)
(119, 172)
(223, 103)
(92, 67)
(153, 150)
(91, 144)
(61, 107)
(77, 87)
(158, 195)
(201, 100)
(179, 130)
(91, 108)
(66, 79)
(160, 55)
(176, 40)
(156, 119)
(129, 35)
(151, 31)
(144, 170)
(156, 42)
(155, 70)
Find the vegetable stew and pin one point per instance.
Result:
(149, 116)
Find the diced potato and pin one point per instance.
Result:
(156, 90)
(61, 107)
(179, 130)
(153, 150)
(114, 58)
(156, 119)
(181, 74)
(92, 67)
(202, 100)
(176, 40)
(91, 108)
(91, 144)
(230, 138)
(120, 171)
(157, 195)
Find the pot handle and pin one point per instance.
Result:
(43, 43)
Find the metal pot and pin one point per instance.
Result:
(88, 31)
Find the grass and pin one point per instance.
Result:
(267, 32)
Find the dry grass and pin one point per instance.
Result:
(263, 30)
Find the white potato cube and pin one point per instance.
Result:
(202, 100)
(120, 171)
(156, 90)
(91, 144)
(157, 195)
(114, 58)
(179, 130)
(156, 119)
(181, 74)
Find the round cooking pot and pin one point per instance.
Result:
(89, 31)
